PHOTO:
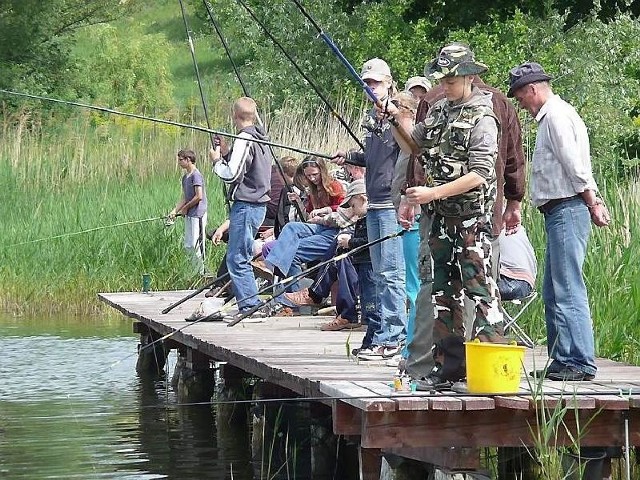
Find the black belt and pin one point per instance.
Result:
(546, 208)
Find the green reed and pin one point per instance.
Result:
(93, 171)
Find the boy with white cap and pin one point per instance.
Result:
(380, 156)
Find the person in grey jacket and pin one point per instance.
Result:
(246, 169)
(380, 156)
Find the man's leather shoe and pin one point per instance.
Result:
(570, 374)
(431, 383)
(553, 367)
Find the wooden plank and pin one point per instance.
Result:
(357, 396)
(347, 420)
(444, 402)
(512, 402)
(454, 458)
(477, 403)
(488, 428)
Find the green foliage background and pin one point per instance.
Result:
(65, 170)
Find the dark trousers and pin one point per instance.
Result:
(348, 287)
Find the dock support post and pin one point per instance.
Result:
(193, 378)
(152, 359)
(233, 429)
(281, 434)
(400, 468)
(515, 462)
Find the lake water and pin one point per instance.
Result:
(72, 406)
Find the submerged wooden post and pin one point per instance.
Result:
(151, 358)
(193, 378)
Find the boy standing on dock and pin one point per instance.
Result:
(246, 169)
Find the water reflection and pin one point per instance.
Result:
(71, 406)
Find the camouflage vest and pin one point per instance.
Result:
(446, 158)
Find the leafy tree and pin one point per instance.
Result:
(269, 76)
(129, 72)
(36, 38)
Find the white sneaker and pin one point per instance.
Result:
(394, 361)
(378, 353)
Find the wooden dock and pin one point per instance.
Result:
(293, 353)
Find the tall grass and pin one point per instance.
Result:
(93, 171)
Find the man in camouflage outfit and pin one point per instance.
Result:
(458, 141)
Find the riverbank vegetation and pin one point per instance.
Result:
(71, 178)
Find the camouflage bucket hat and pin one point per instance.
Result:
(455, 60)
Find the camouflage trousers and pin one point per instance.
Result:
(462, 253)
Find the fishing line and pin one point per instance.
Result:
(407, 395)
(63, 235)
(301, 211)
(225, 193)
(333, 111)
(165, 122)
(280, 283)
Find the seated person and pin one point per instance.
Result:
(323, 196)
(353, 273)
(518, 267)
(308, 241)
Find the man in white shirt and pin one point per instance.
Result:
(564, 190)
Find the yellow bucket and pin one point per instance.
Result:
(493, 368)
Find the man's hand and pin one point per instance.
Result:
(600, 215)
(269, 232)
(389, 109)
(339, 157)
(406, 213)
(320, 212)
(343, 240)
(214, 155)
(216, 238)
(420, 195)
(512, 217)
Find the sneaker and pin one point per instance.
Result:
(431, 383)
(570, 374)
(256, 317)
(356, 351)
(301, 297)
(261, 269)
(394, 361)
(379, 353)
(373, 352)
(337, 324)
(200, 317)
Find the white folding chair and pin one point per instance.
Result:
(520, 305)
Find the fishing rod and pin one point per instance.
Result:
(224, 276)
(225, 193)
(164, 122)
(95, 229)
(334, 48)
(301, 211)
(279, 284)
(306, 272)
(333, 111)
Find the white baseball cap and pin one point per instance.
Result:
(376, 69)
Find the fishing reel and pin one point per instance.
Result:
(372, 124)
(169, 221)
